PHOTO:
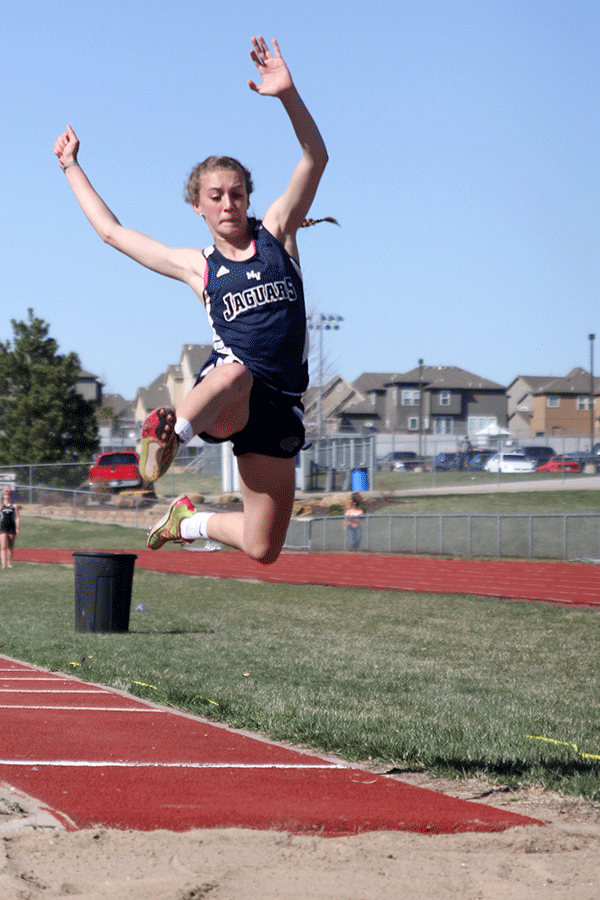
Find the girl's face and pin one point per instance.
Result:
(223, 203)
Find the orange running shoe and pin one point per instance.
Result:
(169, 527)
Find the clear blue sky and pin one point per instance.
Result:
(464, 145)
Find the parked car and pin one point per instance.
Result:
(540, 454)
(400, 460)
(478, 460)
(511, 463)
(560, 464)
(445, 461)
(116, 469)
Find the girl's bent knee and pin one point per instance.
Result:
(264, 555)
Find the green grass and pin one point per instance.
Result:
(451, 685)
(178, 481)
(39, 533)
(567, 501)
(402, 481)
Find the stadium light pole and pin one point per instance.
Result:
(420, 407)
(591, 338)
(322, 322)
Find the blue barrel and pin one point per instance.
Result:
(359, 480)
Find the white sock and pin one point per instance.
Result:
(194, 528)
(184, 431)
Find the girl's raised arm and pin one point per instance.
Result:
(143, 249)
(286, 214)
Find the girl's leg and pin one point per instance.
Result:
(9, 549)
(219, 404)
(268, 487)
(3, 548)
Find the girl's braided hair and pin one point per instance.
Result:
(308, 222)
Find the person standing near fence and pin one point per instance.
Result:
(250, 282)
(9, 527)
(352, 522)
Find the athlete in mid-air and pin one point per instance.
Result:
(249, 280)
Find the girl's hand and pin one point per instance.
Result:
(66, 147)
(272, 69)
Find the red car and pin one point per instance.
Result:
(560, 464)
(118, 469)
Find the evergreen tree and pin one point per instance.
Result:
(42, 416)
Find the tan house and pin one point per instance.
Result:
(547, 405)
(566, 405)
(520, 394)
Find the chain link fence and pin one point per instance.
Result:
(49, 491)
(571, 536)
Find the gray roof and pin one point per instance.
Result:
(533, 382)
(118, 404)
(446, 377)
(156, 394)
(364, 408)
(372, 381)
(576, 382)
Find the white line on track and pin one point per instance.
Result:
(100, 764)
(141, 709)
(44, 691)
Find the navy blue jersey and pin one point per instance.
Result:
(8, 522)
(257, 313)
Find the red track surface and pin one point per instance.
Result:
(553, 582)
(99, 758)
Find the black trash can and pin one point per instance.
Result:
(103, 584)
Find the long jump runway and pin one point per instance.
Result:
(96, 757)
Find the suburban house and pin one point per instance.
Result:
(520, 394)
(321, 408)
(116, 422)
(365, 413)
(169, 388)
(441, 401)
(89, 386)
(436, 400)
(554, 406)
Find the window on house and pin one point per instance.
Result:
(443, 425)
(583, 403)
(411, 398)
(553, 401)
(478, 423)
(413, 423)
(445, 397)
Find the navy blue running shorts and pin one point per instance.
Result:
(275, 425)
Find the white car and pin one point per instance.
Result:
(511, 463)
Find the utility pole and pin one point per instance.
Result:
(591, 340)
